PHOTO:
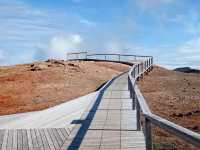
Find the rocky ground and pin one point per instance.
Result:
(176, 97)
(40, 85)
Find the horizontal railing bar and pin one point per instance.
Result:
(118, 55)
(142, 101)
(76, 53)
(175, 129)
(91, 59)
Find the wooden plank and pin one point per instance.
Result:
(14, 140)
(30, 143)
(25, 140)
(1, 137)
(61, 135)
(65, 132)
(49, 140)
(4, 140)
(39, 140)
(53, 138)
(10, 140)
(19, 140)
(66, 145)
(44, 140)
(57, 136)
(34, 140)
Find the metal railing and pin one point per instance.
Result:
(136, 72)
(107, 57)
(141, 65)
(76, 55)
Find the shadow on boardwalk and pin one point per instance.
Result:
(77, 140)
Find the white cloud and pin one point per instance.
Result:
(186, 54)
(191, 47)
(114, 47)
(87, 22)
(59, 45)
(183, 55)
(23, 27)
(117, 46)
(149, 4)
(189, 22)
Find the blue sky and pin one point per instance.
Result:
(34, 30)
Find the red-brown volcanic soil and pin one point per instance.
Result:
(174, 96)
(40, 85)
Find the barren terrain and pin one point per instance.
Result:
(174, 96)
(40, 85)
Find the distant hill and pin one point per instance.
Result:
(187, 70)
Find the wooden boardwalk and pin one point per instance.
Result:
(109, 122)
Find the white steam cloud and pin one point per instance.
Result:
(59, 46)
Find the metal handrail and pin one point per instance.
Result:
(140, 103)
(115, 54)
(88, 56)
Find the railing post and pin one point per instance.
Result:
(133, 98)
(138, 72)
(137, 113)
(128, 83)
(150, 61)
(119, 57)
(134, 72)
(142, 66)
(145, 65)
(130, 87)
(148, 135)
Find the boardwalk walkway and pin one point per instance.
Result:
(108, 123)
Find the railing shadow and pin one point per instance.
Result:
(85, 124)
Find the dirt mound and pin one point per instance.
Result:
(174, 96)
(41, 85)
(56, 62)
